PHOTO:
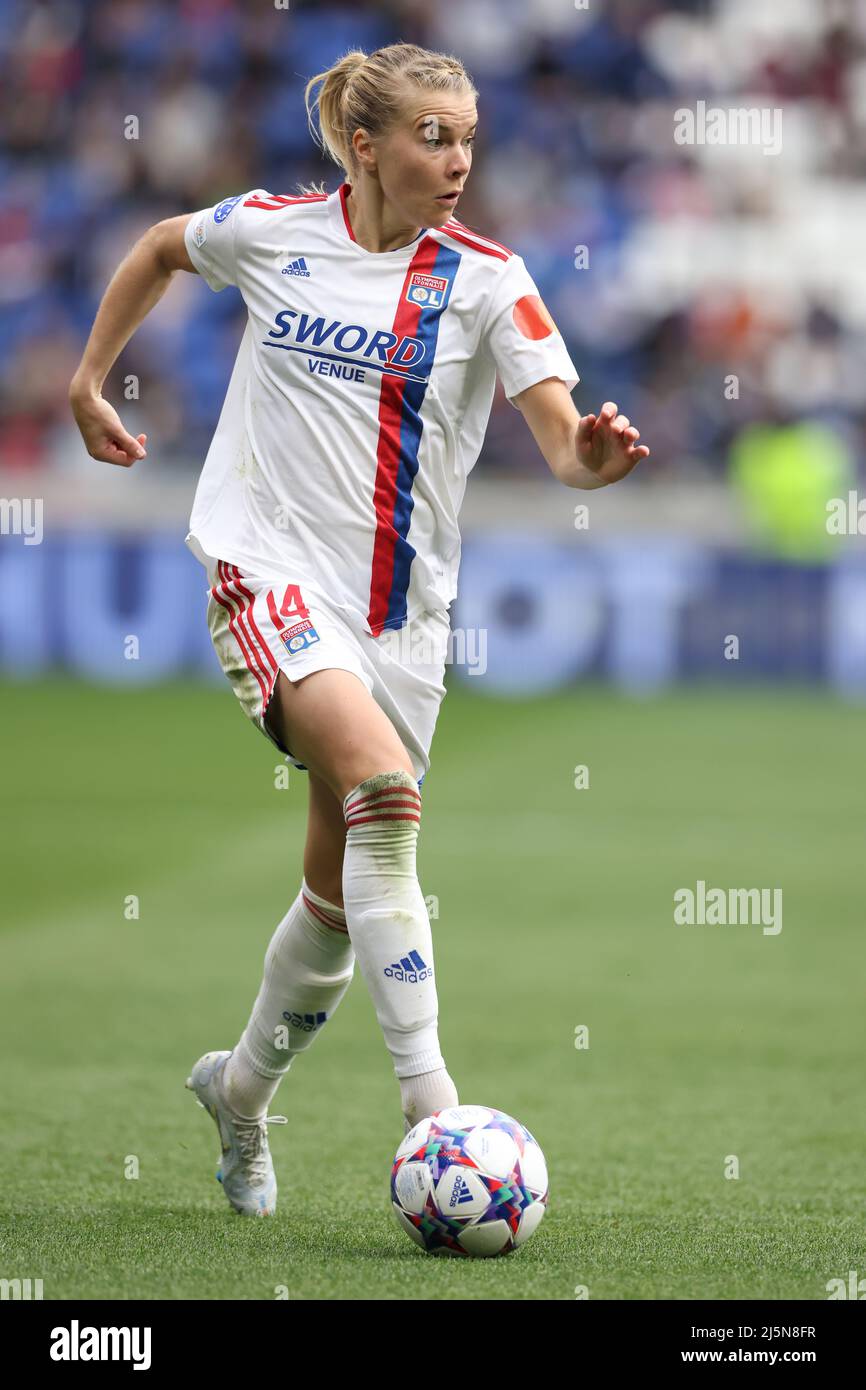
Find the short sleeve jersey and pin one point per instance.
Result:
(359, 397)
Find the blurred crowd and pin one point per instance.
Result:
(719, 286)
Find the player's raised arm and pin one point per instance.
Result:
(139, 282)
(583, 452)
(538, 375)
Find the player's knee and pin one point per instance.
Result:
(387, 798)
(330, 889)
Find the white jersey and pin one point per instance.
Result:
(359, 398)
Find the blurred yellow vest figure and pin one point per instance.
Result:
(785, 475)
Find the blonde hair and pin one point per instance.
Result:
(368, 90)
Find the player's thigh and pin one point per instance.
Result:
(332, 724)
(408, 681)
(326, 842)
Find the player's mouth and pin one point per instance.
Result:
(449, 199)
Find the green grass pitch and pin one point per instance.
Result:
(555, 910)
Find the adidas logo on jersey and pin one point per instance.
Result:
(298, 267)
(410, 969)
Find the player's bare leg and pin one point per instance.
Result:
(332, 724)
(326, 842)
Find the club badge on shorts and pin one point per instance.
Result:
(427, 290)
(299, 636)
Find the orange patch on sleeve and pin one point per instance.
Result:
(532, 317)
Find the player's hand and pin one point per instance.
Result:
(606, 444)
(104, 436)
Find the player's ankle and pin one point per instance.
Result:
(245, 1090)
(426, 1093)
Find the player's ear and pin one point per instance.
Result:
(364, 150)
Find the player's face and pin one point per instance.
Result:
(424, 163)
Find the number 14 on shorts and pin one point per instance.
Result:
(292, 620)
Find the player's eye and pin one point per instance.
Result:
(435, 140)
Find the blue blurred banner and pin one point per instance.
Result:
(532, 614)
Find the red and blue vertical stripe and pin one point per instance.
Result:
(400, 430)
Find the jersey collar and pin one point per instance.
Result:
(340, 221)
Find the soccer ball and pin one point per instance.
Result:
(469, 1180)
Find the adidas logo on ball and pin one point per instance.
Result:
(460, 1193)
(410, 969)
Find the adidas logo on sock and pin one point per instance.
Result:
(306, 1022)
(410, 969)
(459, 1193)
(298, 267)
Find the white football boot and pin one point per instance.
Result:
(245, 1169)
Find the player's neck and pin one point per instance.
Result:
(374, 224)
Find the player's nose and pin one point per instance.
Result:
(460, 163)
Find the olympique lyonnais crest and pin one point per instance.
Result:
(427, 290)
(300, 635)
(297, 634)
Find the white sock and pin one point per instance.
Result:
(423, 1095)
(308, 968)
(388, 921)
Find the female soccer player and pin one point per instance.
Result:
(326, 517)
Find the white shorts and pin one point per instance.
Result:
(261, 625)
